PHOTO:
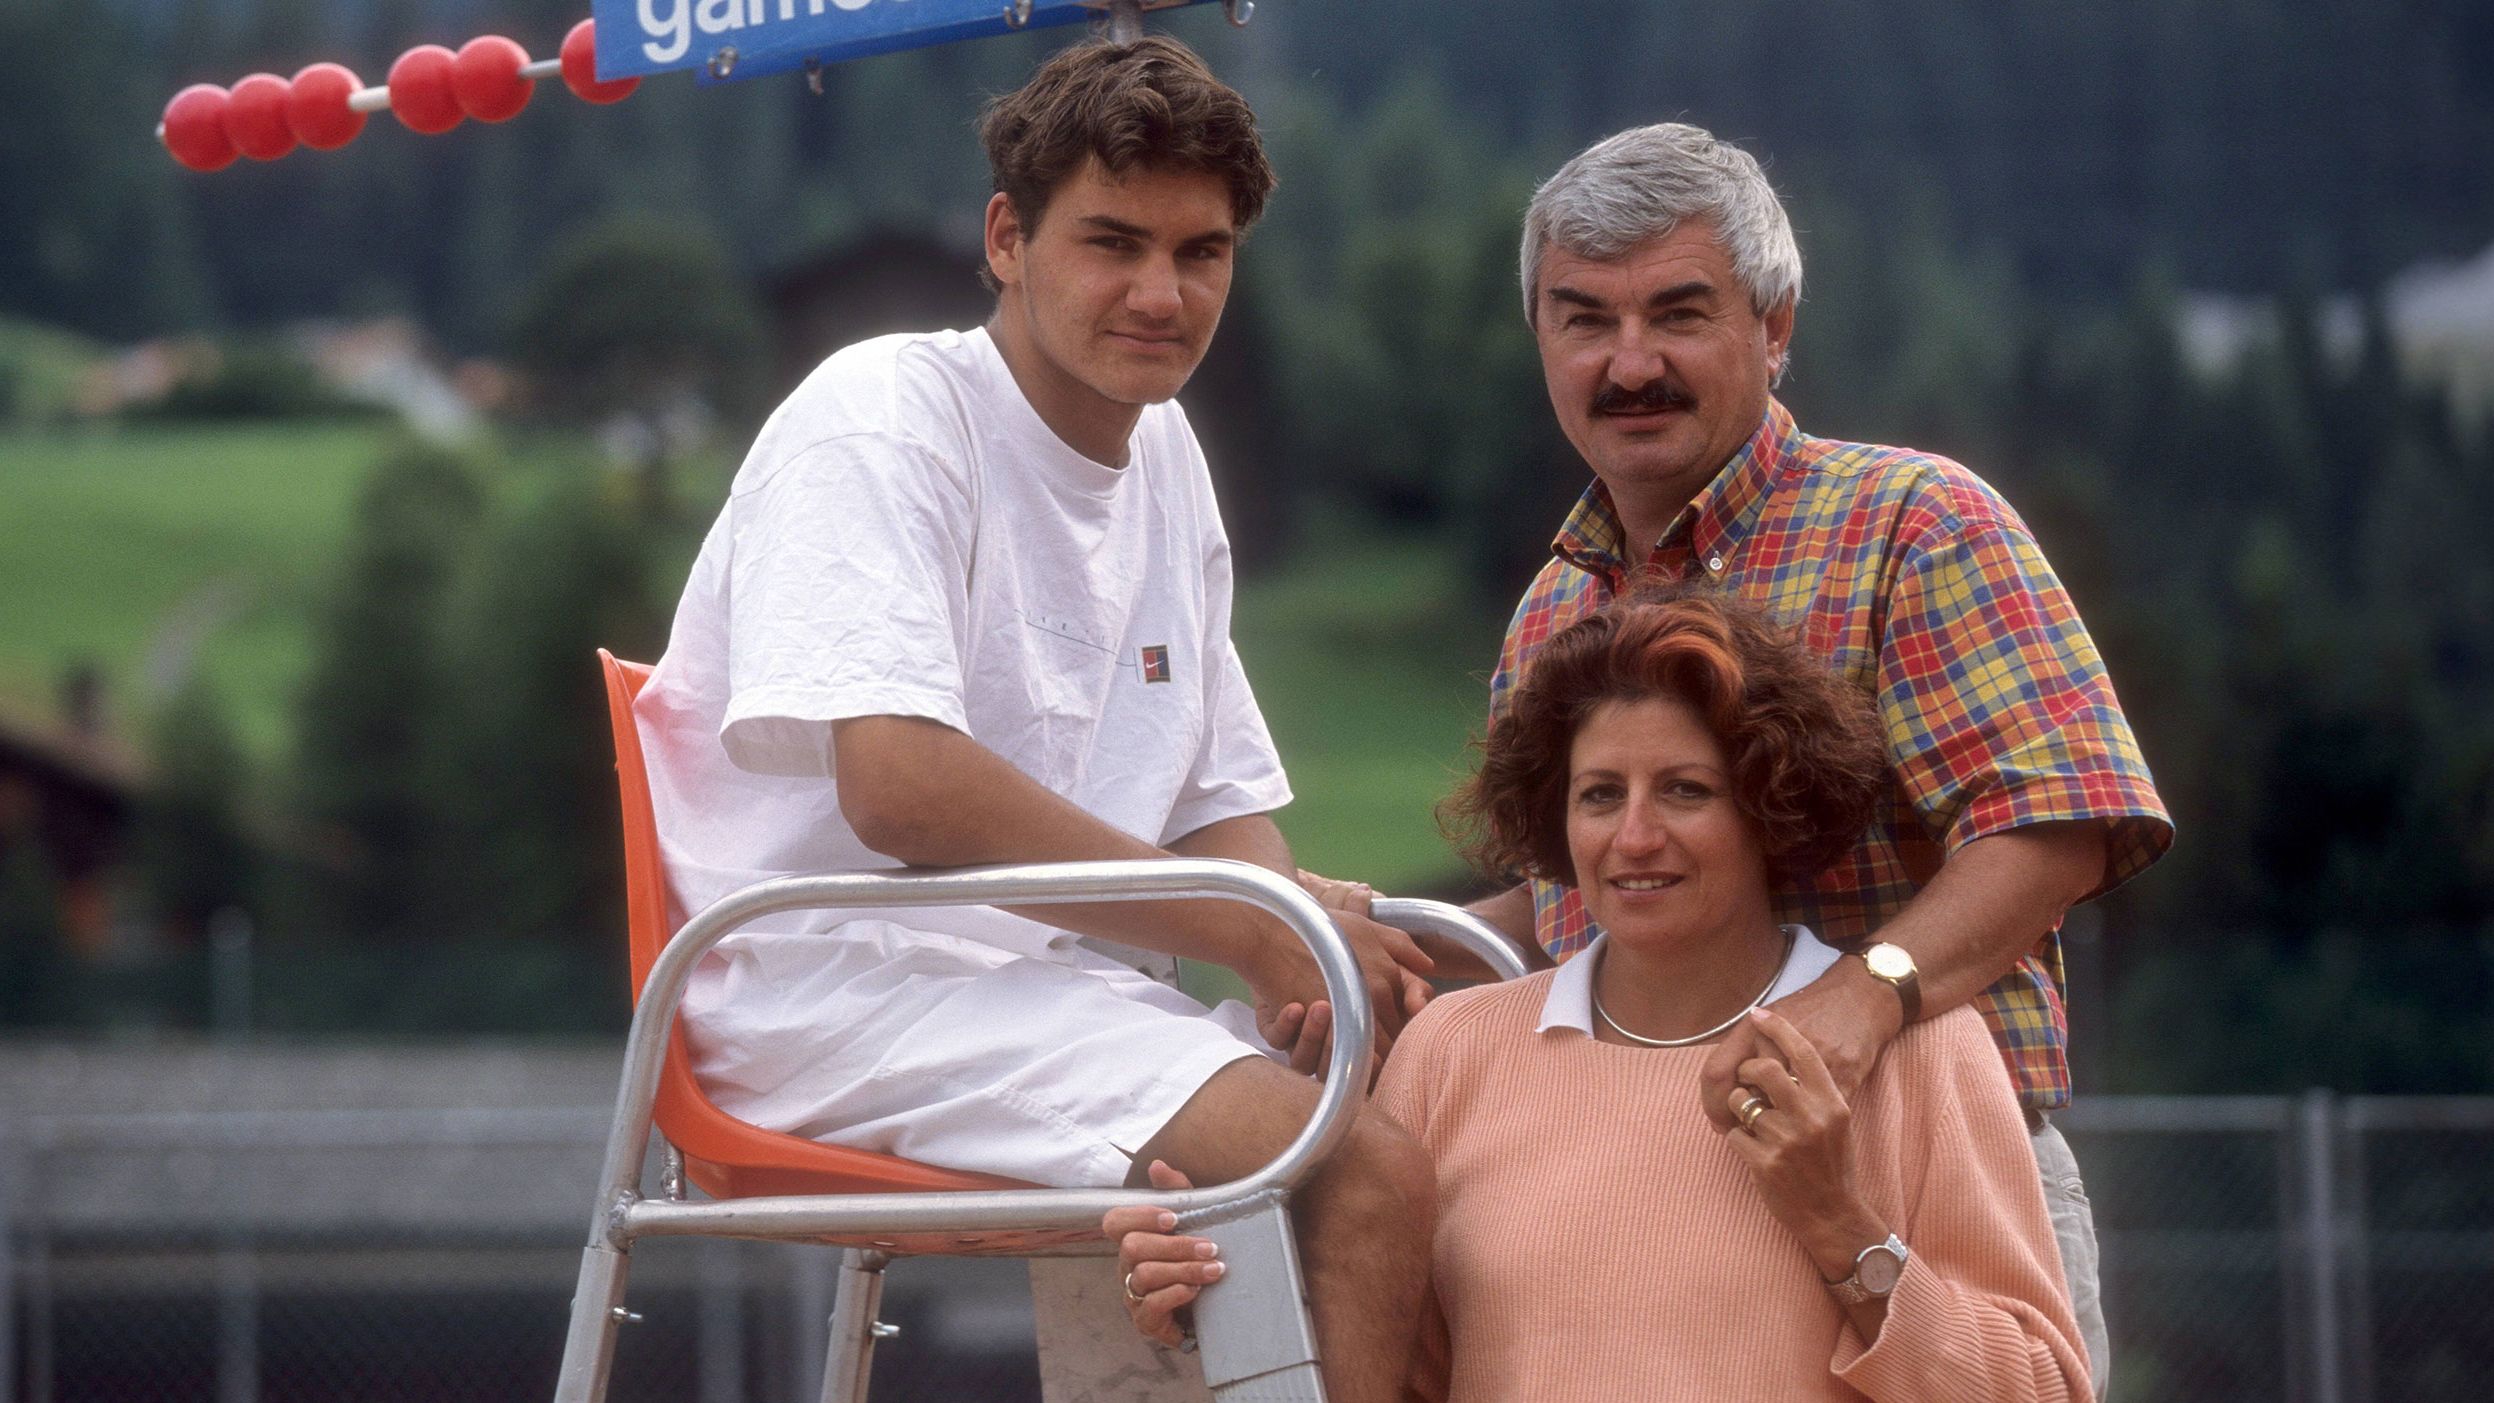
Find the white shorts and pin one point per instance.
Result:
(953, 1053)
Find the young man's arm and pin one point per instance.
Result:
(1510, 912)
(928, 795)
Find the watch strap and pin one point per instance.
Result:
(1852, 1292)
(1908, 985)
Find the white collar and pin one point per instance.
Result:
(1569, 1004)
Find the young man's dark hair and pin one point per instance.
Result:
(1151, 104)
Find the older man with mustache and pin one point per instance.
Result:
(1661, 279)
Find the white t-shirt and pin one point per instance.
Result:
(907, 537)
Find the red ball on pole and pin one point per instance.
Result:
(580, 67)
(195, 128)
(316, 106)
(421, 92)
(255, 117)
(486, 78)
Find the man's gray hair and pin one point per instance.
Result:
(1644, 183)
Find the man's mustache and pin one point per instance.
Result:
(1645, 399)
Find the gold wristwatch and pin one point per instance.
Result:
(1892, 966)
(1875, 1271)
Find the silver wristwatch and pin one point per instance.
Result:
(1875, 1273)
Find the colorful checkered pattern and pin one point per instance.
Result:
(1925, 588)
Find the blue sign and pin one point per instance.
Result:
(747, 38)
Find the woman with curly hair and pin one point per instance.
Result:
(1598, 1236)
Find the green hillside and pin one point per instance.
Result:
(151, 550)
(144, 550)
(1372, 668)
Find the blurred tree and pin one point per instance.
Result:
(34, 944)
(643, 323)
(1413, 386)
(1229, 402)
(106, 248)
(487, 272)
(379, 692)
(191, 857)
(1903, 336)
(2069, 136)
(526, 765)
(2243, 142)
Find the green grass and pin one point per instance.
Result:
(144, 548)
(41, 370)
(141, 548)
(1372, 665)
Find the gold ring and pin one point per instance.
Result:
(1750, 1110)
(1133, 1297)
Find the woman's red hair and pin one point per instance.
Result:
(1808, 764)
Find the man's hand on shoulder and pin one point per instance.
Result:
(1846, 1013)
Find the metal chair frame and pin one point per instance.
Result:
(1257, 1342)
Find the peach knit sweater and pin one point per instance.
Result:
(1598, 1240)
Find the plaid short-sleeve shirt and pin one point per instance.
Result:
(1924, 588)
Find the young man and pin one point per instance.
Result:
(969, 602)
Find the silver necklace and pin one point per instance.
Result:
(1595, 989)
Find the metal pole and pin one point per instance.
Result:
(371, 100)
(853, 1329)
(229, 973)
(39, 1286)
(238, 1320)
(10, 1174)
(814, 1275)
(2354, 1169)
(237, 1266)
(1125, 21)
(722, 1328)
(2316, 1134)
(1456, 926)
(2082, 958)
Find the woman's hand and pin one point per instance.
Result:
(1798, 1148)
(1163, 1271)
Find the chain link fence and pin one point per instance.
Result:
(2315, 1248)
(2312, 1249)
(415, 1257)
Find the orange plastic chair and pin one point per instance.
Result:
(1258, 1343)
(727, 1157)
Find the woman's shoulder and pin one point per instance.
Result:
(1480, 1010)
(1952, 1055)
(1945, 1035)
(1447, 1050)
(1943, 1042)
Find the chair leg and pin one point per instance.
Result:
(849, 1363)
(597, 1313)
(1090, 1352)
(1259, 1346)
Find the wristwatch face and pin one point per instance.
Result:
(1889, 962)
(1879, 1269)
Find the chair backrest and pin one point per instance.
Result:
(727, 1157)
(647, 917)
